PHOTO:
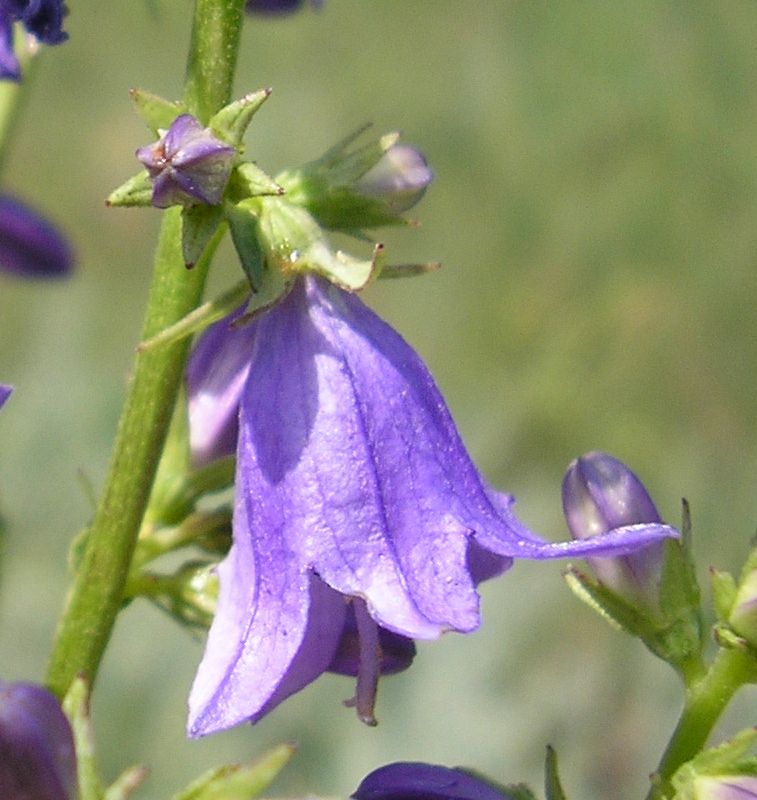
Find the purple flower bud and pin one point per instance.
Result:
(276, 7)
(743, 617)
(188, 165)
(414, 781)
(29, 244)
(400, 178)
(725, 787)
(37, 757)
(600, 494)
(5, 393)
(41, 18)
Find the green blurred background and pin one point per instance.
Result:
(595, 208)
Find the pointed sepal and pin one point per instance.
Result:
(199, 224)
(407, 270)
(231, 122)
(239, 781)
(552, 787)
(248, 180)
(137, 191)
(157, 112)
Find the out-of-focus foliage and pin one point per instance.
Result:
(595, 208)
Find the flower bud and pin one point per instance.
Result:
(601, 494)
(29, 245)
(415, 781)
(188, 165)
(725, 787)
(399, 178)
(276, 7)
(743, 617)
(37, 756)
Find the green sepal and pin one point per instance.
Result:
(243, 225)
(732, 758)
(294, 243)
(189, 595)
(198, 226)
(552, 787)
(126, 783)
(137, 191)
(200, 318)
(248, 180)
(231, 122)
(723, 586)
(407, 270)
(239, 781)
(728, 639)
(157, 112)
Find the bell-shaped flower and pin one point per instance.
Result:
(352, 486)
(31, 246)
(416, 781)
(43, 19)
(188, 164)
(602, 494)
(37, 756)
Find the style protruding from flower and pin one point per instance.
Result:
(188, 165)
(37, 756)
(43, 19)
(417, 781)
(353, 487)
(30, 246)
(602, 494)
(277, 7)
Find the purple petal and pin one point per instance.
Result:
(216, 373)
(9, 66)
(277, 7)
(276, 629)
(29, 244)
(44, 19)
(414, 781)
(726, 787)
(5, 393)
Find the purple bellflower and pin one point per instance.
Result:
(37, 756)
(353, 487)
(188, 165)
(29, 245)
(43, 19)
(415, 781)
(601, 494)
(277, 7)
(5, 393)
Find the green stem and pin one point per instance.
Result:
(705, 702)
(97, 592)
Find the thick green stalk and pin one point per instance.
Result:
(97, 592)
(705, 702)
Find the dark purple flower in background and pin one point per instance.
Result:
(5, 393)
(188, 165)
(602, 494)
(43, 19)
(37, 757)
(277, 7)
(31, 246)
(414, 781)
(352, 487)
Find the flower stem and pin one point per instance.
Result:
(705, 701)
(97, 592)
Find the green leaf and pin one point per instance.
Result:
(137, 191)
(239, 782)
(231, 122)
(198, 225)
(157, 112)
